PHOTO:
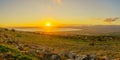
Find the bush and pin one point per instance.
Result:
(13, 30)
(24, 58)
(92, 44)
(18, 35)
(6, 29)
(3, 49)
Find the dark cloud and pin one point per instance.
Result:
(109, 20)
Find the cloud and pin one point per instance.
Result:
(59, 2)
(110, 20)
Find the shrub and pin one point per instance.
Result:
(13, 30)
(18, 35)
(92, 44)
(3, 49)
(6, 29)
(24, 58)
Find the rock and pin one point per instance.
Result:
(89, 57)
(70, 59)
(55, 57)
(31, 52)
(7, 56)
(69, 55)
(47, 56)
(78, 57)
(19, 46)
(51, 57)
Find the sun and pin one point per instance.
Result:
(48, 24)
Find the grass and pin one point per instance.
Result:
(77, 43)
(13, 54)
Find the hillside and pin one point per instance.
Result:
(37, 46)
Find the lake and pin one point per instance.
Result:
(46, 30)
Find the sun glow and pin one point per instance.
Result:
(48, 27)
(48, 24)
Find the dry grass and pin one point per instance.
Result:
(61, 43)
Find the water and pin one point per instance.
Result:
(47, 30)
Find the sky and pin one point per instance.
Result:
(16, 13)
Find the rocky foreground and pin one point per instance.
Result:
(12, 49)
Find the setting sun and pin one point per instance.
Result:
(48, 24)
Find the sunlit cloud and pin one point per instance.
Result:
(103, 21)
(110, 20)
(59, 2)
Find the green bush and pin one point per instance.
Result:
(3, 49)
(24, 58)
